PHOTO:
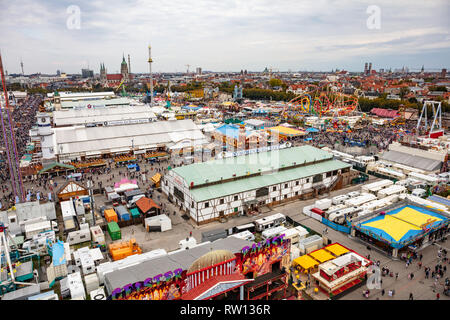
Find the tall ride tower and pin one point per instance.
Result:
(10, 143)
(150, 61)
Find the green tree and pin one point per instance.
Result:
(275, 83)
(403, 92)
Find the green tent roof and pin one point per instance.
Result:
(56, 164)
(223, 169)
(265, 180)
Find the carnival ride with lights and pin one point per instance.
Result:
(322, 100)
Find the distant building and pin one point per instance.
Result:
(443, 73)
(199, 70)
(112, 80)
(86, 73)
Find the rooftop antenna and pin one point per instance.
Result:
(129, 64)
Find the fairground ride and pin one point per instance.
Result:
(11, 260)
(322, 100)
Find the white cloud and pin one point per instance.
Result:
(219, 35)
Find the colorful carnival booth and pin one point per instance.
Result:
(330, 270)
(403, 226)
(226, 269)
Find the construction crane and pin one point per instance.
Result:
(10, 143)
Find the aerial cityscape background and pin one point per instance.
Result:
(224, 35)
(224, 151)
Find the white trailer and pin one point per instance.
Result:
(310, 244)
(67, 209)
(426, 202)
(376, 186)
(358, 201)
(36, 228)
(339, 199)
(270, 222)
(273, 232)
(162, 221)
(245, 235)
(98, 235)
(187, 243)
(323, 204)
(380, 203)
(391, 173)
(98, 294)
(339, 216)
(395, 189)
(79, 236)
(429, 180)
(39, 242)
(76, 286)
(91, 282)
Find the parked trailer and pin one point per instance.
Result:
(273, 232)
(245, 235)
(363, 198)
(39, 242)
(391, 173)
(33, 229)
(323, 204)
(336, 207)
(244, 227)
(426, 202)
(67, 209)
(339, 199)
(380, 203)
(79, 236)
(376, 186)
(270, 222)
(98, 235)
(295, 234)
(395, 189)
(339, 216)
(429, 180)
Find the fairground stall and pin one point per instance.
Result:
(402, 227)
(226, 269)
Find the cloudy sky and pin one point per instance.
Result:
(224, 35)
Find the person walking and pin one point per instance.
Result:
(411, 296)
(396, 275)
(382, 292)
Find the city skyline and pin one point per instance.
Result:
(223, 36)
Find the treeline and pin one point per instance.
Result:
(188, 87)
(266, 94)
(368, 104)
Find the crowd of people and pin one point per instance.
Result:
(23, 118)
(371, 135)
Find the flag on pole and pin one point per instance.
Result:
(38, 196)
(49, 196)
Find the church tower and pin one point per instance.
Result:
(102, 73)
(124, 69)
